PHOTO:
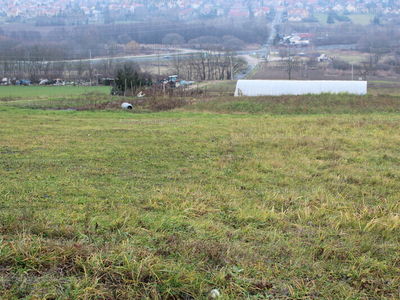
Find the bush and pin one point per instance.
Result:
(383, 67)
(339, 64)
(173, 39)
(233, 43)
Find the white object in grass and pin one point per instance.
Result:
(215, 293)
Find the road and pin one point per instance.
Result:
(277, 20)
(253, 61)
(151, 57)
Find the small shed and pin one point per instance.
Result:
(298, 87)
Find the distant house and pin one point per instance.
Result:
(361, 8)
(128, 7)
(113, 7)
(319, 9)
(298, 39)
(86, 10)
(294, 18)
(185, 14)
(351, 8)
(220, 12)
(305, 36)
(338, 8)
(14, 12)
(261, 11)
(195, 5)
(297, 14)
(238, 11)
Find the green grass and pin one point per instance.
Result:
(50, 97)
(301, 105)
(45, 92)
(363, 19)
(115, 205)
(384, 87)
(322, 17)
(220, 87)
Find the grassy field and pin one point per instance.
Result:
(256, 203)
(322, 17)
(363, 19)
(46, 92)
(54, 97)
(300, 105)
(219, 87)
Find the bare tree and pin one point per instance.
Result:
(366, 67)
(289, 65)
(187, 69)
(80, 67)
(237, 64)
(58, 68)
(283, 52)
(312, 60)
(198, 63)
(107, 67)
(216, 64)
(47, 70)
(177, 64)
(35, 70)
(6, 66)
(69, 65)
(377, 53)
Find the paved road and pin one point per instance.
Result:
(253, 61)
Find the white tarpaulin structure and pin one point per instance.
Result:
(298, 87)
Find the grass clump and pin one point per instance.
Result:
(171, 205)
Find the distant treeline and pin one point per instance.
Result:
(149, 32)
(84, 38)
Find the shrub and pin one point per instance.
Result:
(383, 67)
(339, 64)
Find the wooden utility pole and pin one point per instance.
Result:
(231, 69)
(158, 60)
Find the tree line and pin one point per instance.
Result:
(95, 37)
(40, 62)
(211, 64)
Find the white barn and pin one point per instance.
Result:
(298, 87)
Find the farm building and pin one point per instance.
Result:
(298, 87)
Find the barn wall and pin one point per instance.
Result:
(298, 87)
